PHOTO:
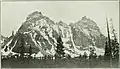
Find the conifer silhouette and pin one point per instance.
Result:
(60, 47)
(107, 51)
(114, 43)
(30, 51)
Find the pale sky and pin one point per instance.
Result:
(14, 13)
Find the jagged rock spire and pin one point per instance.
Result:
(12, 33)
(84, 18)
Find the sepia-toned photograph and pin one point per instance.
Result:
(60, 34)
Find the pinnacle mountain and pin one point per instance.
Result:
(87, 33)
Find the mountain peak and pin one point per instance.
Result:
(34, 14)
(61, 23)
(84, 18)
(86, 21)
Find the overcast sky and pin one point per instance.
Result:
(14, 13)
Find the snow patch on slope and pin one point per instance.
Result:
(39, 54)
(86, 31)
(75, 49)
(12, 48)
(8, 51)
(71, 54)
(99, 51)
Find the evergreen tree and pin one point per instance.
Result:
(107, 52)
(92, 54)
(30, 51)
(69, 56)
(85, 56)
(60, 48)
(114, 43)
(115, 49)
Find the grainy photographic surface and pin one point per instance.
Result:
(60, 34)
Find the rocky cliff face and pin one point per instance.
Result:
(87, 33)
(41, 33)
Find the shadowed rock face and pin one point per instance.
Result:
(37, 32)
(3, 39)
(41, 33)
